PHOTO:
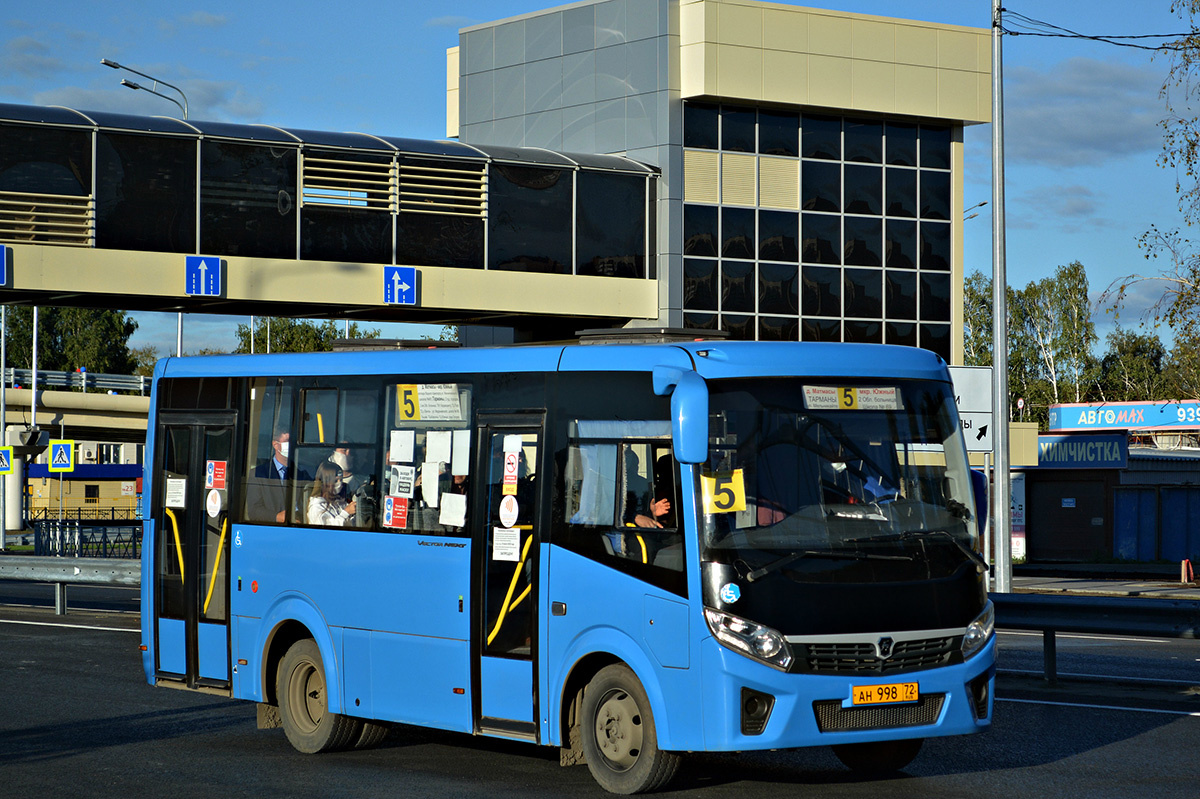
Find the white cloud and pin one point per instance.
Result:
(450, 22)
(29, 57)
(1080, 112)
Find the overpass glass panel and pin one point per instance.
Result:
(346, 209)
(247, 199)
(145, 192)
(529, 228)
(439, 240)
(610, 225)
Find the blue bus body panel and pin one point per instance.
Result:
(726, 359)
(611, 613)
(506, 686)
(410, 592)
(793, 722)
(213, 651)
(171, 633)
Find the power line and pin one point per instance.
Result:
(1027, 26)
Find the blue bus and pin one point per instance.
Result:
(626, 551)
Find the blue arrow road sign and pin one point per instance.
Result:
(400, 285)
(203, 275)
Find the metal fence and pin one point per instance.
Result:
(73, 539)
(85, 381)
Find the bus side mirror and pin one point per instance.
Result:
(689, 411)
(979, 487)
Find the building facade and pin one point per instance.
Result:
(811, 161)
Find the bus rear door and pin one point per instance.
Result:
(194, 474)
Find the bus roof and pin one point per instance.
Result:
(711, 359)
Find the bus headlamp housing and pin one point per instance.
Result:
(753, 640)
(979, 631)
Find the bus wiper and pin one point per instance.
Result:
(981, 565)
(775, 565)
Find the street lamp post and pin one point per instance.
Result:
(182, 107)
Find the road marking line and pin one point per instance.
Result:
(1099, 707)
(72, 626)
(1108, 677)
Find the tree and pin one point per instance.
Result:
(144, 359)
(70, 338)
(1052, 321)
(977, 320)
(296, 335)
(1132, 368)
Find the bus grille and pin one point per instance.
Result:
(832, 717)
(860, 658)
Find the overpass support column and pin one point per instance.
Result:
(14, 484)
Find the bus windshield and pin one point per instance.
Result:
(836, 481)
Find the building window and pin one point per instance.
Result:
(851, 240)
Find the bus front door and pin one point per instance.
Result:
(507, 699)
(194, 474)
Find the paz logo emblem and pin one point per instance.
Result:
(883, 647)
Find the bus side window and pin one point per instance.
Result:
(619, 500)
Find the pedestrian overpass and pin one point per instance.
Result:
(160, 214)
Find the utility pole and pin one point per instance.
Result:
(1002, 486)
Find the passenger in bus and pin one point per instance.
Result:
(359, 485)
(327, 504)
(266, 490)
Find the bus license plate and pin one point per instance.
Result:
(883, 694)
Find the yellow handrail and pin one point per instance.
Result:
(512, 586)
(212, 582)
(178, 546)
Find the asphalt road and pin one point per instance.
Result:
(78, 720)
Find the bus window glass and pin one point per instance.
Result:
(619, 499)
(426, 474)
(268, 458)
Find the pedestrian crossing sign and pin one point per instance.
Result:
(6, 455)
(62, 455)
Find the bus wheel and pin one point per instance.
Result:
(619, 738)
(372, 735)
(303, 704)
(878, 757)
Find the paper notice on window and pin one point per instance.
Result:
(438, 446)
(506, 544)
(512, 443)
(429, 482)
(400, 449)
(401, 481)
(454, 510)
(438, 402)
(461, 462)
(176, 492)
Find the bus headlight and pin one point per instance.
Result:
(750, 639)
(979, 631)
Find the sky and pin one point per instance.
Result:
(1082, 135)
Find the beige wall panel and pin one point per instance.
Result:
(958, 94)
(785, 77)
(779, 183)
(830, 35)
(873, 86)
(452, 93)
(741, 72)
(984, 87)
(740, 25)
(784, 29)
(738, 182)
(692, 17)
(916, 45)
(829, 81)
(691, 69)
(873, 40)
(958, 50)
(700, 176)
(917, 90)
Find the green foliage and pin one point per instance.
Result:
(1132, 368)
(296, 335)
(69, 338)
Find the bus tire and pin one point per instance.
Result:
(303, 703)
(372, 735)
(878, 757)
(619, 737)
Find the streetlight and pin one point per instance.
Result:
(153, 90)
(972, 208)
(182, 107)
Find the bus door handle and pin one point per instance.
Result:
(558, 608)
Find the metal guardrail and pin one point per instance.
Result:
(1133, 616)
(71, 538)
(64, 571)
(87, 381)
